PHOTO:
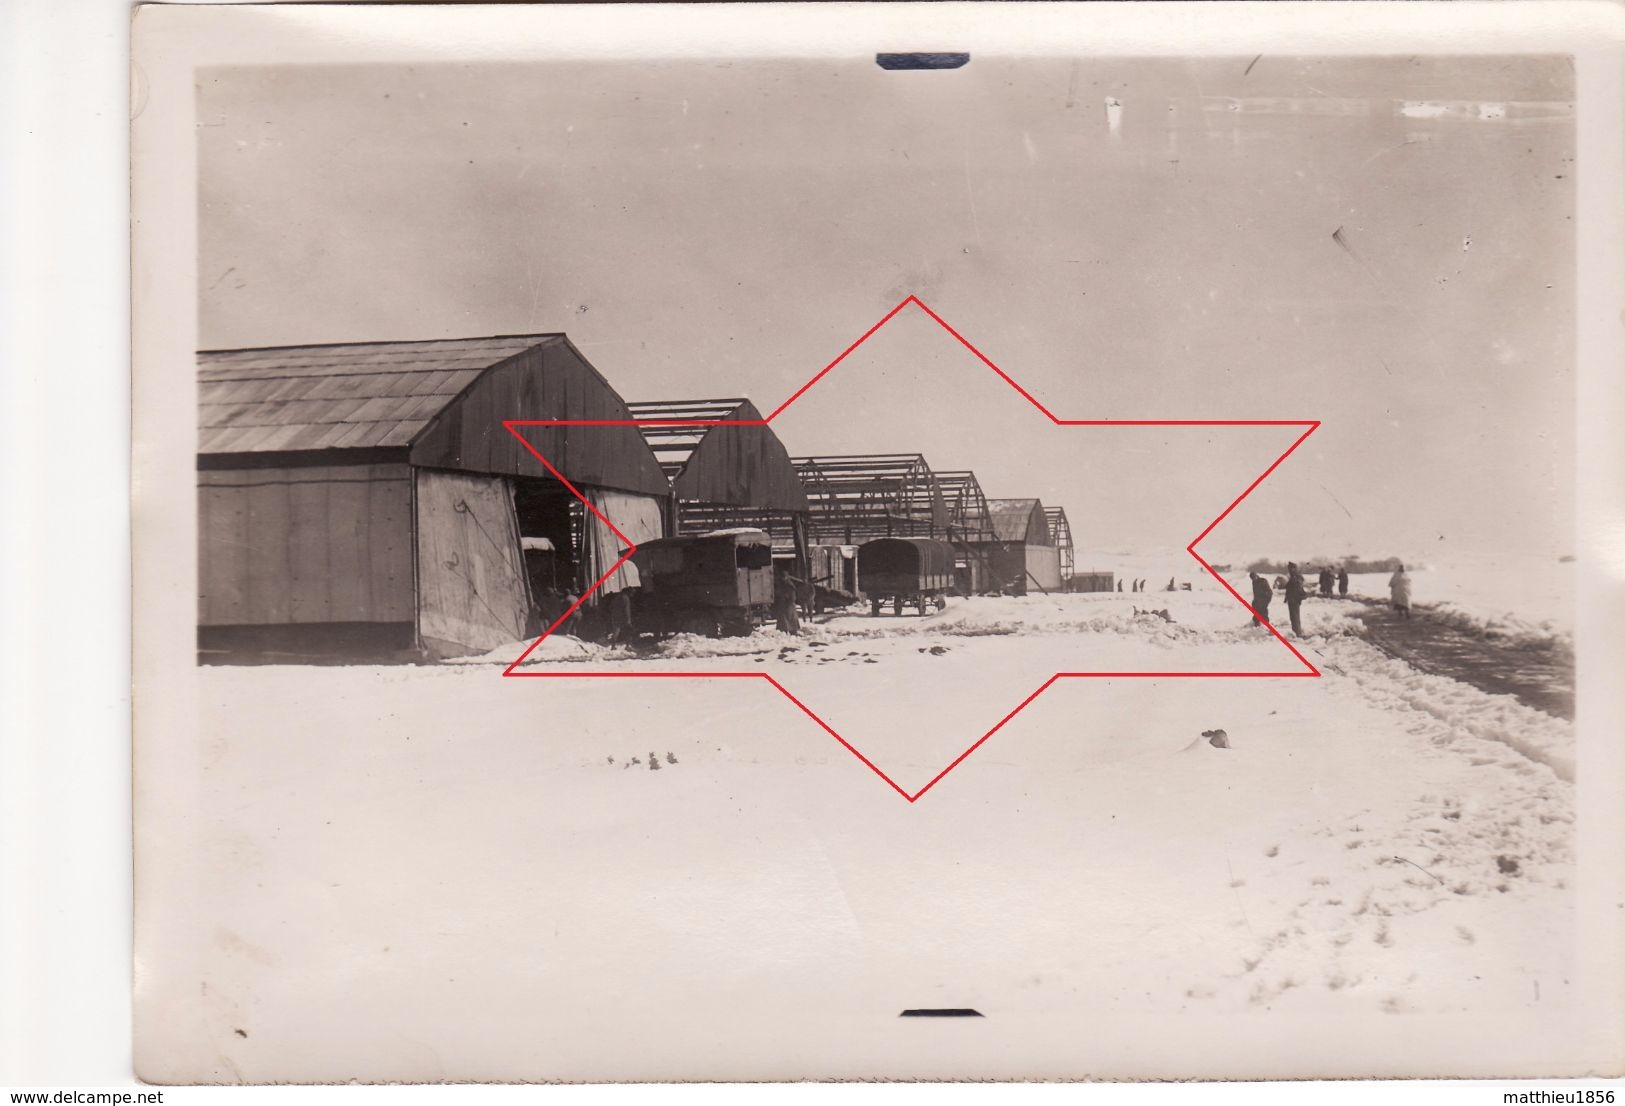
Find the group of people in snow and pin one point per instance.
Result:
(1296, 591)
(1139, 585)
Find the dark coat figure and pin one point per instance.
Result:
(1295, 591)
(1343, 583)
(1262, 594)
(1326, 581)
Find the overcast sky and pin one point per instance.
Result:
(728, 228)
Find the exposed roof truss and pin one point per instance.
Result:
(1060, 534)
(968, 516)
(872, 495)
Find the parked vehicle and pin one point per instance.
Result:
(906, 571)
(715, 584)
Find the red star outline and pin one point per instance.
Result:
(1308, 670)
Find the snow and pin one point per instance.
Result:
(1518, 596)
(553, 648)
(1514, 595)
(499, 863)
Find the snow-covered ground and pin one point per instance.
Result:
(440, 870)
(1514, 595)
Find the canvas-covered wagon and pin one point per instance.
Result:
(916, 572)
(709, 584)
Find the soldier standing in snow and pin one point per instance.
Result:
(1399, 590)
(1326, 583)
(1262, 594)
(1342, 582)
(1295, 592)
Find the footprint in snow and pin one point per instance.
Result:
(1337, 980)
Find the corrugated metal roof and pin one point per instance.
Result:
(1011, 517)
(338, 397)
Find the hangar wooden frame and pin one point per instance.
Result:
(968, 517)
(1060, 536)
(856, 497)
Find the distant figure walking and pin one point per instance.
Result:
(1262, 594)
(1171, 586)
(1399, 590)
(1119, 585)
(1326, 581)
(1342, 582)
(1295, 591)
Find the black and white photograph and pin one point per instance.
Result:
(845, 544)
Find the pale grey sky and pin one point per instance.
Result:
(727, 228)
